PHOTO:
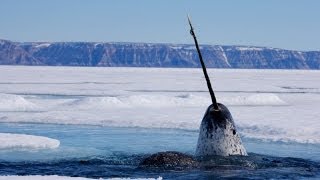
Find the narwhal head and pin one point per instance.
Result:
(218, 134)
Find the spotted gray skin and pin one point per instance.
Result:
(218, 134)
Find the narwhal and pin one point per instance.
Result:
(218, 134)
(217, 137)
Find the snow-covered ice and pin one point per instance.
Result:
(10, 102)
(271, 105)
(27, 142)
(157, 109)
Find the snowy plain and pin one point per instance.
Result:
(276, 105)
(52, 113)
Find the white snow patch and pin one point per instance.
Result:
(176, 47)
(224, 56)
(26, 142)
(165, 101)
(43, 45)
(97, 44)
(9, 102)
(255, 100)
(95, 103)
(243, 48)
(191, 47)
(158, 101)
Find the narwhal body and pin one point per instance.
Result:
(218, 135)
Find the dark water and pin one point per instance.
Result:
(105, 152)
(119, 165)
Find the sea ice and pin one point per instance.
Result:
(27, 142)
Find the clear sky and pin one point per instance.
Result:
(288, 24)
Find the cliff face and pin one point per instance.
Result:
(12, 53)
(153, 55)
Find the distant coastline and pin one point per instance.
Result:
(153, 55)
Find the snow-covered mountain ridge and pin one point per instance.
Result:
(153, 55)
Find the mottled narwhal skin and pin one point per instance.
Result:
(218, 134)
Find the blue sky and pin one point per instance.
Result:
(289, 24)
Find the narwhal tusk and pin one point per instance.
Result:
(213, 98)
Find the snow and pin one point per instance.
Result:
(249, 48)
(26, 142)
(268, 105)
(97, 44)
(158, 101)
(43, 45)
(224, 56)
(176, 47)
(191, 47)
(255, 100)
(9, 102)
(55, 177)
(244, 48)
